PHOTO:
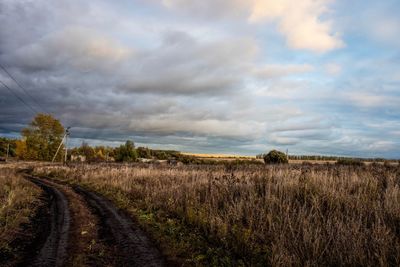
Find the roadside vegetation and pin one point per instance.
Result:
(277, 215)
(19, 200)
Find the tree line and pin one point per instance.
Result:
(41, 139)
(327, 158)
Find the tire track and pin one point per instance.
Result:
(54, 250)
(133, 246)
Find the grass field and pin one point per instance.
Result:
(18, 202)
(293, 215)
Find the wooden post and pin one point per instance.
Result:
(8, 151)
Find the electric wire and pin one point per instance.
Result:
(19, 98)
(23, 89)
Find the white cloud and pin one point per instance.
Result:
(300, 22)
(279, 70)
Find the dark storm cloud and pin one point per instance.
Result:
(90, 80)
(114, 72)
(183, 65)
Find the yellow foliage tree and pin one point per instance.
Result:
(42, 137)
(21, 150)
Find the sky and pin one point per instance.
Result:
(212, 76)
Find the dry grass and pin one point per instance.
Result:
(290, 215)
(200, 155)
(18, 199)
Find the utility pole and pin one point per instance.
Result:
(66, 144)
(62, 140)
(8, 151)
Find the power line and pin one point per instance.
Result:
(20, 99)
(23, 89)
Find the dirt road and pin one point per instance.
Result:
(134, 246)
(113, 238)
(54, 250)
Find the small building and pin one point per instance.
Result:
(78, 158)
(175, 162)
(144, 160)
(161, 161)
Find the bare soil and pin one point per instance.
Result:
(132, 246)
(82, 228)
(54, 250)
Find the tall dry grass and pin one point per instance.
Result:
(273, 215)
(18, 201)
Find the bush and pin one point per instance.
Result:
(275, 157)
(126, 153)
(350, 162)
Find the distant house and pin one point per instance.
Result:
(161, 161)
(110, 159)
(144, 160)
(174, 162)
(78, 158)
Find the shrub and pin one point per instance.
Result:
(275, 157)
(126, 153)
(350, 162)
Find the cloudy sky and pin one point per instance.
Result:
(221, 76)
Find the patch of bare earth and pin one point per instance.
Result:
(85, 248)
(101, 235)
(130, 245)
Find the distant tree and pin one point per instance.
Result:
(42, 138)
(350, 162)
(6, 143)
(275, 157)
(21, 150)
(87, 151)
(126, 153)
(162, 155)
(144, 152)
(99, 156)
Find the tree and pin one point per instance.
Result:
(7, 144)
(126, 152)
(87, 151)
(21, 150)
(144, 152)
(275, 157)
(42, 138)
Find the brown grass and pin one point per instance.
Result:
(263, 215)
(18, 201)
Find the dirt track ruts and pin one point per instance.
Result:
(54, 250)
(134, 247)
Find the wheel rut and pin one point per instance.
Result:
(116, 234)
(54, 250)
(131, 244)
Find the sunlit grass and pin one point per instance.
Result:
(278, 215)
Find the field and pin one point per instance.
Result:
(202, 215)
(19, 200)
(292, 215)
